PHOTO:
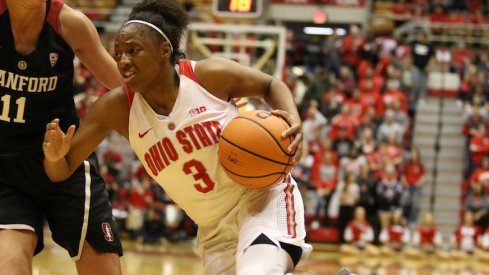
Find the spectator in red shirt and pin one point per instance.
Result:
(357, 106)
(438, 15)
(471, 129)
(413, 179)
(460, 57)
(351, 46)
(465, 237)
(401, 8)
(369, 97)
(481, 175)
(455, 17)
(479, 146)
(378, 160)
(426, 239)
(395, 152)
(391, 94)
(478, 17)
(395, 236)
(113, 159)
(376, 79)
(359, 235)
(344, 120)
(325, 185)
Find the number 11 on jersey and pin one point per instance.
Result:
(4, 115)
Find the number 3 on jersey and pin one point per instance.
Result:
(5, 109)
(200, 173)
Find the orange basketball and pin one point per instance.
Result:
(252, 151)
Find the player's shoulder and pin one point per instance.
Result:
(114, 99)
(116, 96)
(213, 64)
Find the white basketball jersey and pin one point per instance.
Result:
(180, 150)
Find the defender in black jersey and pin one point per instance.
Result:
(38, 41)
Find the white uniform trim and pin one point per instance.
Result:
(88, 182)
(17, 226)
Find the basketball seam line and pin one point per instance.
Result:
(252, 177)
(255, 154)
(290, 155)
(271, 135)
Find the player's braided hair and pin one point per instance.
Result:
(169, 16)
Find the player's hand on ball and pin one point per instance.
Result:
(56, 143)
(294, 131)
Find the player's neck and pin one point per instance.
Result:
(27, 22)
(162, 105)
(163, 96)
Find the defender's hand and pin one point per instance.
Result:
(56, 143)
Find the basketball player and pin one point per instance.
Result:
(172, 112)
(38, 40)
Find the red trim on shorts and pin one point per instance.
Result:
(53, 16)
(290, 208)
(129, 94)
(187, 70)
(293, 223)
(3, 6)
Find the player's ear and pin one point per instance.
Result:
(166, 49)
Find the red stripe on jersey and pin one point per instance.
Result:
(53, 16)
(187, 70)
(290, 209)
(129, 94)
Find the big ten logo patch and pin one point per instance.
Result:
(107, 232)
(197, 111)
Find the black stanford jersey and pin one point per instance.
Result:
(34, 88)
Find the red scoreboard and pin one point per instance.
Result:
(238, 8)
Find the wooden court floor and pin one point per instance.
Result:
(179, 259)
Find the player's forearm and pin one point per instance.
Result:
(279, 97)
(57, 170)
